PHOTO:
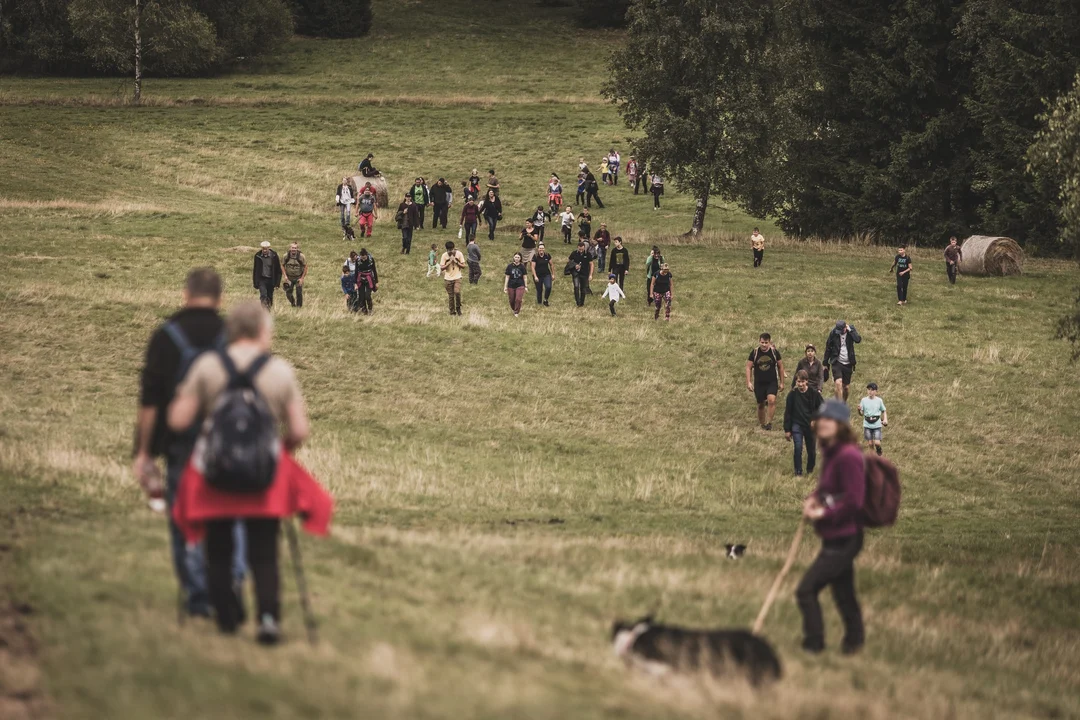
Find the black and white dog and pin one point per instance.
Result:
(660, 649)
(734, 552)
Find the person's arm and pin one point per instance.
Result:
(296, 422)
(671, 289)
(884, 415)
(506, 283)
(788, 418)
(374, 275)
(893, 266)
(532, 264)
(461, 221)
(849, 502)
(780, 373)
(860, 409)
(255, 274)
(749, 369)
(591, 265)
(855, 336)
(184, 408)
(909, 266)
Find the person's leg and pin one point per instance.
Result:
(656, 200)
(188, 562)
(822, 571)
(299, 296)
(843, 592)
(797, 446)
(599, 203)
(539, 291)
(547, 289)
(658, 300)
(289, 293)
(611, 306)
(761, 410)
(770, 401)
(220, 544)
(667, 315)
(449, 285)
(519, 299)
(269, 295)
(262, 554)
(421, 213)
(579, 290)
(601, 259)
(457, 296)
(811, 451)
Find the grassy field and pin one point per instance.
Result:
(506, 487)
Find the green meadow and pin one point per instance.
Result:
(505, 487)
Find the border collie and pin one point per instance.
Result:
(659, 649)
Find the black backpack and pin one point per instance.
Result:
(241, 435)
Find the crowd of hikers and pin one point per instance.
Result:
(226, 415)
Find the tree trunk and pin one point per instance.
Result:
(701, 205)
(138, 53)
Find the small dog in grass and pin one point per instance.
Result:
(659, 649)
(734, 552)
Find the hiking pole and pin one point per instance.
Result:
(301, 584)
(775, 589)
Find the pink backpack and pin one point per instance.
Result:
(882, 502)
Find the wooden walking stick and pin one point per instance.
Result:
(301, 584)
(775, 589)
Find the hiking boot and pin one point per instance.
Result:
(768, 426)
(851, 648)
(878, 450)
(269, 633)
(813, 646)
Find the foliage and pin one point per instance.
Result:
(247, 28)
(602, 13)
(332, 18)
(36, 34)
(1055, 162)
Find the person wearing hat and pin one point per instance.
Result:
(834, 508)
(814, 368)
(613, 293)
(875, 417)
(408, 219)
(420, 198)
(840, 356)
(266, 274)
(442, 197)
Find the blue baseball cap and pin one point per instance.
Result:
(834, 410)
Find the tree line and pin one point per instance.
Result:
(163, 37)
(904, 121)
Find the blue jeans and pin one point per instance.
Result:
(491, 223)
(799, 434)
(189, 563)
(346, 216)
(406, 239)
(601, 257)
(543, 289)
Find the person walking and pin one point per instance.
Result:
(757, 243)
(250, 331)
(420, 197)
(433, 261)
(491, 208)
(581, 270)
(266, 273)
(554, 195)
(634, 175)
(344, 196)
(442, 197)
(451, 263)
(585, 224)
(620, 262)
(542, 275)
(953, 256)
(470, 218)
(765, 378)
(492, 182)
(656, 185)
(875, 417)
(834, 508)
(603, 242)
(472, 250)
(592, 190)
(815, 370)
(173, 347)
(539, 220)
(613, 293)
(529, 238)
(294, 266)
(515, 284)
(367, 281)
(605, 172)
(663, 292)
(566, 219)
(348, 287)
(840, 356)
(902, 266)
(408, 219)
(798, 421)
(367, 210)
(614, 160)
(652, 269)
(579, 198)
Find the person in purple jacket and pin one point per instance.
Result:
(835, 507)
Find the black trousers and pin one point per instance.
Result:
(611, 306)
(640, 182)
(540, 229)
(581, 288)
(262, 556)
(759, 255)
(901, 287)
(591, 195)
(420, 214)
(440, 215)
(951, 269)
(579, 198)
(266, 292)
(295, 293)
(834, 567)
(363, 298)
(620, 274)
(656, 197)
(566, 231)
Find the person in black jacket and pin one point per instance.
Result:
(365, 167)
(620, 261)
(798, 415)
(592, 190)
(442, 196)
(197, 327)
(491, 208)
(408, 219)
(840, 356)
(266, 274)
(367, 281)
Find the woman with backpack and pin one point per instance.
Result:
(835, 507)
(491, 208)
(367, 281)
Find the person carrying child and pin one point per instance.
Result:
(798, 421)
(613, 293)
(875, 417)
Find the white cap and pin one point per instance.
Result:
(264, 244)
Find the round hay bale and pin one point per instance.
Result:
(986, 255)
(382, 189)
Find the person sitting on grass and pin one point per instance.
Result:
(798, 421)
(875, 417)
(765, 378)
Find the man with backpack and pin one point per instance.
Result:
(173, 347)
(765, 378)
(294, 266)
(238, 455)
(266, 274)
(442, 196)
(840, 357)
(367, 210)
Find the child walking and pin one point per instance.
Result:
(875, 417)
(348, 286)
(613, 293)
(432, 263)
(798, 421)
(902, 265)
(662, 292)
(757, 242)
(566, 217)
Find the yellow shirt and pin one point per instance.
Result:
(452, 265)
(758, 241)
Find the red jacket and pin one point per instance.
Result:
(293, 492)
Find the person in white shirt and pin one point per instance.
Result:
(566, 217)
(613, 293)
(345, 202)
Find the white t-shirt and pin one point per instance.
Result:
(843, 356)
(567, 218)
(613, 292)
